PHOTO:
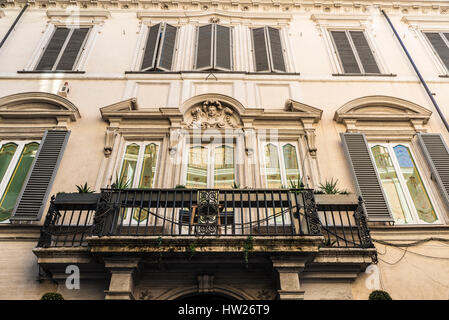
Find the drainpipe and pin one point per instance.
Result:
(423, 82)
(14, 24)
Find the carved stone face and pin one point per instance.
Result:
(211, 111)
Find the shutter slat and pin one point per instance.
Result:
(437, 156)
(344, 50)
(168, 48)
(72, 49)
(149, 55)
(440, 47)
(365, 175)
(260, 50)
(33, 196)
(223, 48)
(277, 54)
(364, 51)
(204, 47)
(53, 49)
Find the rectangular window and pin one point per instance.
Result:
(354, 52)
(213, 48)
(402, 183)
(159, 48)
(16, 159)
(211, 166)
(281, 164)
(440, 43)
(63, 50)
(268, 50)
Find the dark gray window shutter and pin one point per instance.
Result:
(437, 156)
(344, 50)
(260, 50)
(204, 47)
(366, 178)
(277, 54)
(440, 46)
(165, 59)
(33, 196)
(53, 49)
(223, 48)
(72, 49)
(149, 55)
(364, 51)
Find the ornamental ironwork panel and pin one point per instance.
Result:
(208, 211)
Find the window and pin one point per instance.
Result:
(402, 183)
(281, 164)
(63, 50)
(213, 48)
(354, 52)
(160, 47)
(139, 164)
(15, 162)
(440, 43)
(211, 166)
(267, 49)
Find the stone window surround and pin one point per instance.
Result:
(420, 24)
(241, 22)
(93, 19)
(342, 22)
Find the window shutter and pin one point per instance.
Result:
(204, 47)
(277, 54)
(364, 51)
(260, 50)
(440, 47)
(53, 49)
(168, 48)
(33, 196)
(223, 48)
(437, 156)
(72, 49)
(366, 177)
(347, 57)
(149, 55)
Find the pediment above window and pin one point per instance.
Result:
(76, 16)
(304, 111)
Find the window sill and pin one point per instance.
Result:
(444, 76)
(50, 71)
(218, 71)
(364, 75)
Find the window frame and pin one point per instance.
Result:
(415, 220)
(268, 49)
(435, 54)
(12, 165)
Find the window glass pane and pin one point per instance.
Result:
(272, 166)
(129, 164)
(17, 179)
(391, 185)
(291, 163)
(197, 167)
(415, 185)
(6, 153)
(224, 167)
(148, 166)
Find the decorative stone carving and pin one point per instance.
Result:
(205, 283)
(212, 114)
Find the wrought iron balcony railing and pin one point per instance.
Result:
(72, 218)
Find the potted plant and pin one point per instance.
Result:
(52, 296)
(85, 195)
(379, 295)
(329, 193)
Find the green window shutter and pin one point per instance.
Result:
(277, 54)
(33, 196)
(223, 48)
(344, 50)
(440, 47)
(167, 50)
(72, 50)
(364, 51)
(149, 55)
(260, 50)
(204, 47)
(365, 176)
(53, 49)
(437, 156)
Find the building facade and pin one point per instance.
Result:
(236, 149)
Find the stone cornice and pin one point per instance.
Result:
(81, 13)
